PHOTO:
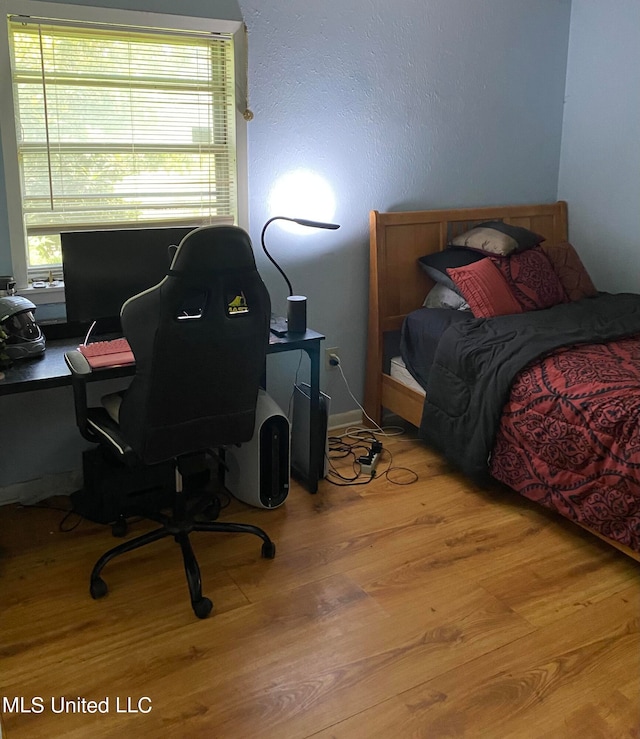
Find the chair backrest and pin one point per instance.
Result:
(199, 338)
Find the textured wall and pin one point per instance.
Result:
(600, 162)
(410, 104)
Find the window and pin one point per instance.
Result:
(118, 126)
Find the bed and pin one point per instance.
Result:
(564, 426)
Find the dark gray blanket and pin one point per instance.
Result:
(477, 361)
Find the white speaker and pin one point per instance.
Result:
(258, 470)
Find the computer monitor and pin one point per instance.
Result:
(102, 269)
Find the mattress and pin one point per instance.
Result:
(400, 373)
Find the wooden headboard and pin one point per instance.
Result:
(397, 284)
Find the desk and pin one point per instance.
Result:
(50, 370)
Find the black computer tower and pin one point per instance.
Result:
(113, 490)
(301, 423)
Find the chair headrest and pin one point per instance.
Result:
(213, 248)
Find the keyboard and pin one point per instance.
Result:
(107, 353)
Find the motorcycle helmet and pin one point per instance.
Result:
(24, 337)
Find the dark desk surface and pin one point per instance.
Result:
(50, 370)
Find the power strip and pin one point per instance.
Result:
(369, 467)
(369, 462)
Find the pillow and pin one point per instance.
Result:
(485, 289)
(436, 264)
(440, 296)
(572, 273)
(495, 237)
(532, 279)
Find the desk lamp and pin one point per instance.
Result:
(296, 321)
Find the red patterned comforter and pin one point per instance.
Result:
(569, 436)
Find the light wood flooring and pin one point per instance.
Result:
(432, 609)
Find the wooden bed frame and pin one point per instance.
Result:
(397, 286)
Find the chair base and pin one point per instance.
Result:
(180, 530)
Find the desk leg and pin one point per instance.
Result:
(316, 451)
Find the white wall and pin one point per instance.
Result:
(409, 104)
(600, 160)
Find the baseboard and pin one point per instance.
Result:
(65, 483)
(31, 491)
(341, 420)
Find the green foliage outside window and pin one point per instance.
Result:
(130, 128)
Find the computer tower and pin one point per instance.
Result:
(300, 426)
(258, 471)
(112, 489)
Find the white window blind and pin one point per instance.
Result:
(121, 126)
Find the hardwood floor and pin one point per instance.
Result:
(429, 609)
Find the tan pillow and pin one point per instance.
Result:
(572, 273)
(498, 238)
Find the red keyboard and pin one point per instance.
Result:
(107, 353)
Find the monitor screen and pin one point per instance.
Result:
(102, 269)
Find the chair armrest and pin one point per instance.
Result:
(77, 363)
(94, 423)
(80, 372)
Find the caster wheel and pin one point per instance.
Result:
(98, 588)
(202, 608)
(268, 550)
(119, 528)
(211, 512)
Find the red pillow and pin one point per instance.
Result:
(485, 289)
(532, 279)
(571, 272)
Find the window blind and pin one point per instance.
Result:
(122, 126)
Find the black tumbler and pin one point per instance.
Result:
(296, 314)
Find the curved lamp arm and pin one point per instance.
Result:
(300, 222)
